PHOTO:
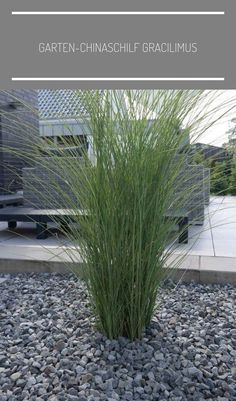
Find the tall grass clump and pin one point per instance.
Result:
(129, 193)
(125, 194)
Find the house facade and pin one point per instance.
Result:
(18, 125)
(61, 113)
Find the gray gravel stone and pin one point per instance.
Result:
(15, 376)
(194, 372)
(73, 398)
(60, 345)
(50, 350)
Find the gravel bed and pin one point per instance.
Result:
(49, 349)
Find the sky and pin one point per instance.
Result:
(217, 134)
(221, 101)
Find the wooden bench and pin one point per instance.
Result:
(40, 217)
(10, 200)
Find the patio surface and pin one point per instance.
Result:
(211, 247)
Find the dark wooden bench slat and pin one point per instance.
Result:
(43, 216)
(39, 216)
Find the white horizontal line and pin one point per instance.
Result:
(118, 12)
(118, 79)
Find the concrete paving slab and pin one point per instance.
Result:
(218, 270)
(217, 277)
(224, 225)
(225, 247)
(218, 233)
(199, 247)
(227, 199)
(211, 252)
(28, 238)
(220, 263)
(27, 252)
(197, 232)
(190, 262)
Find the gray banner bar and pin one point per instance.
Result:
(194, 47)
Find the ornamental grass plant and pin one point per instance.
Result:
(124, 195)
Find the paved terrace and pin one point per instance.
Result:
(211, 248)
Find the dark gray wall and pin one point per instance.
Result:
(19, 128)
